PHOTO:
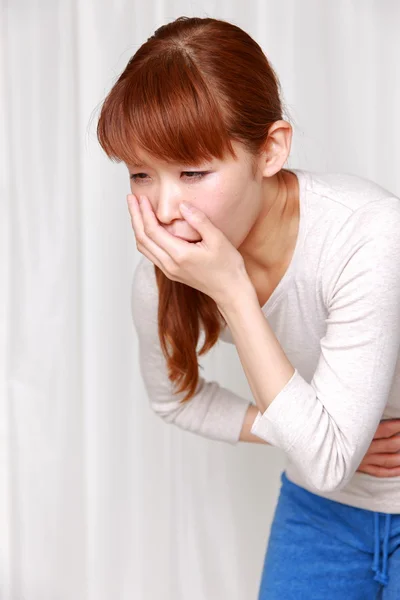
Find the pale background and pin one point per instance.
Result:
(100, 499)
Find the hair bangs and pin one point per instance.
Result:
(168, 111)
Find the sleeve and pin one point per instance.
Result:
(214, 411)
(326, 426)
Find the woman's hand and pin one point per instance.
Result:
(383, 456)
(212, 266)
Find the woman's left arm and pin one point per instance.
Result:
(327, 425)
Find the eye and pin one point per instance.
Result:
(197, 175)
(136, 176)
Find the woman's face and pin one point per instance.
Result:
(225, 190)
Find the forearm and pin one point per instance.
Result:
(245, 434)
(265, 364)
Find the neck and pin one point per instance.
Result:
(273, 236)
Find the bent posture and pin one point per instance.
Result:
(300, 270)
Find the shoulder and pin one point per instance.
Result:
(345, 190)
(365, 250)
(144, 293)
(372, 220)
(144, 278)
(342, 207)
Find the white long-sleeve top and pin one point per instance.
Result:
(336, 314)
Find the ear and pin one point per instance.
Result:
(276, 148)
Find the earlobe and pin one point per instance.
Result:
(270, 167)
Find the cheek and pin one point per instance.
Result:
(221, 195)
(227, 205)
(232, 207)
(238, 218)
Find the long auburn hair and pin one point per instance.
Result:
(194, 86)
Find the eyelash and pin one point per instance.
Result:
(197, 175)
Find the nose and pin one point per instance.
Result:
(169, 215)
(167, 205)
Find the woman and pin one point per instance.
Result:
(299, 270)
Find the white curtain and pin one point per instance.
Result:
(100, 499)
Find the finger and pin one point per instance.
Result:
(380, 471)
(387, 427)
(201, 223)
(383, 460)
(385, 445)
(143, 243)
(172, 246)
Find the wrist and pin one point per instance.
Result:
(245, 433)
(238, 298)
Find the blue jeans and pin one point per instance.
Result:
(320, 549)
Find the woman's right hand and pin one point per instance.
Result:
(383, 456)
